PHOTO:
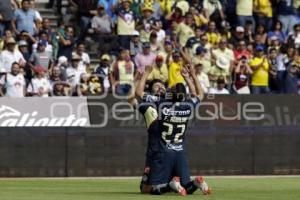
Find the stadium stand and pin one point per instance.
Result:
(81, 48)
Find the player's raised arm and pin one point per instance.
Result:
(198, 88)
(186, 75)
(139, 93)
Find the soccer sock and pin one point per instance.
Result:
(160, 189)
(190, 187)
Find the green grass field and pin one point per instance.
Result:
(100, 189)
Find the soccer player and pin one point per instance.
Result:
(166, 120)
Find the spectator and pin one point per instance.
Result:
(109, 7)
(43, 36)
(212, 34)
(220, 88)
(260, 77)
(154, 44)
(82, 88)
(223, 51)
(175, 17)
(122, 73)
(277, 31)
(193, 42)
(244, 11)
(147, 23)
(201, 58)
(166, 51)
(103, 71)
(214, 11)
(145, 58)
(273, 81)
(61, 89)
(55, 76)
(10, 55)
(185, 29)
(198, 16)
(238, 36)
(202, 77)
(242, 76)
(294, 37)
(160, 70)
(125, 23)
(39, 85)
(41, 57)
(23, 48)
(260, 30)
(66, 43)
(85, 62)
(241, 50)
(103, 34)
(6, 14)
(63, 64)
(58, 5)
(24, 19)
(291, 79)
(263, 13)
(13, 83)
(73, 72)
(175, 69)
(286, 13)
(86, 10)
(221, 68)
(135, 44)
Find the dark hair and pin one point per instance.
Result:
(178, 92)
(25, 1)
(274, 25)
(153, 82)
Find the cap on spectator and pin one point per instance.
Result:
(101, 5)
(159, 58)
(62, 59)
(146, 45)
(135, 33)
(240, 29)
(225, 24)
(105, 57)
(176, 52)
(147, 7)
(10, 40)
(274, 38)
(39, 69)
(200, 50)
(259, 48)
(129, 1)
(76, 57)
(168, 42)
(22, 43)
(223, 63)
(42, 43)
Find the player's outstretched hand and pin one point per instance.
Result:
(148, 69)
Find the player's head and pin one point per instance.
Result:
(157, 87)
(178, 92)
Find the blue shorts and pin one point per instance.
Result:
(164, 166)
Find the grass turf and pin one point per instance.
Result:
(100, 189)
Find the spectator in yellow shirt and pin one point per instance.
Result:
(213, 36)
(263, 13)
(175, 69)
(160, 70)
(260, 77)
(185, 29)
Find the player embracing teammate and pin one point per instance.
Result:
(167, 116)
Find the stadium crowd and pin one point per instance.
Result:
(235, 46)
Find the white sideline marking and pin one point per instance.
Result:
(136, 177)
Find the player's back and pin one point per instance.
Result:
(173, 121)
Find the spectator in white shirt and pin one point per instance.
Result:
(13, 83)
(40, 84)
(220, 89)
(202, 77)
(84, 63)
(73, 72)
(10, 55)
